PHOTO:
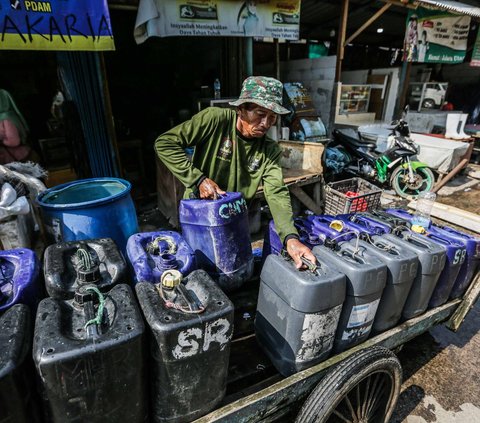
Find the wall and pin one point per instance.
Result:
(317, 75)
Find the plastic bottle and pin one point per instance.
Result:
(216, 88)
(421, 217)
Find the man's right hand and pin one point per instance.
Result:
(209, 190)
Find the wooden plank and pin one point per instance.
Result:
(453, 215)
(297, 177)
(302, 155)
(450, 175)
(305, 199)
(465, 306)
(267, 402)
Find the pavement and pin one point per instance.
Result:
(441, 381)
(441, 375)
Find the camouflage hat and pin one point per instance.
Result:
(264, 91)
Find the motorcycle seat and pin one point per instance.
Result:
(350, 136)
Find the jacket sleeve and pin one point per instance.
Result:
(277, 195)
(170, 146)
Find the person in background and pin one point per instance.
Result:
(423, 47)
(233, 153)
(13, 133)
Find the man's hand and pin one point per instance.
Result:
(296, 250)
(209, 190)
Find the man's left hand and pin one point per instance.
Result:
(296, 250)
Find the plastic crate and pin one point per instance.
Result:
(350, 196)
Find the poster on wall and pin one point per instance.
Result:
(222, 18)
(476, 52)
(55, 25)
(435, 36)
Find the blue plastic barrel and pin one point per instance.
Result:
(88, 209)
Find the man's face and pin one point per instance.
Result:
(255, 121)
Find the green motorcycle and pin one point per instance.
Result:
(394, 167)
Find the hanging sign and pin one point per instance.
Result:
(55, 25)
(261, 18)
(434, 36)
(476, 52)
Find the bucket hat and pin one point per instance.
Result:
(264, 91)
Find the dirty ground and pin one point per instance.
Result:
(441, 368)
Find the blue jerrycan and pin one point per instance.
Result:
(273, 245)
(455, 257)
(372, 226)
(395, 222)
(19, 283)
(298, 312)
(152, 253)
(470, 265)
(218, 233)
(329, 230)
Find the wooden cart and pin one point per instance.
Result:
(363, 381)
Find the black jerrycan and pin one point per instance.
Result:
(191, 325)
(89, 356)
(17, 395)
(68, 265)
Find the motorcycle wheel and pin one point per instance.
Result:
(424, 180)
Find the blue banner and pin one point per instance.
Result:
(55, 25)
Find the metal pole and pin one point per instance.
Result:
(342, 31)
(249, 56)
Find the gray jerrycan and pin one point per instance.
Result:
(297, 313)
(366, 277)
(402, 267)
(431, 261)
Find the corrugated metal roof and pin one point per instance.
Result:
(453, 6)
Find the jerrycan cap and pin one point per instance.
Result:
(338, 225)
(418, 229)
(171, 278)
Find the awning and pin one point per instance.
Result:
(453, 6)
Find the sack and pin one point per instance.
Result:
(19, 153)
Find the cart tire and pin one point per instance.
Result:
(362, 388)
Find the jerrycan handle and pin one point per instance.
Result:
(439, 239)
(310, 266)
(353, 256)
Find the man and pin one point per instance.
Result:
(232, 153)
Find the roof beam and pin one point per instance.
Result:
(372, 19)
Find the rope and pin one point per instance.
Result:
(154, 246)
(171, 304)
(101, 304)
(84, 259)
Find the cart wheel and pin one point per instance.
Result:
(428, 103)
(363, 388)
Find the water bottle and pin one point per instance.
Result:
(421, 217)
(216, 88)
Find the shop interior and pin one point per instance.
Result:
(152, 86)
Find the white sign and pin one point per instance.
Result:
(218, 18)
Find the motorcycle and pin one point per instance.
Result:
(394, 166)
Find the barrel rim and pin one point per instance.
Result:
(85, 204)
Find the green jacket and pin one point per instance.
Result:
(234, 163)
